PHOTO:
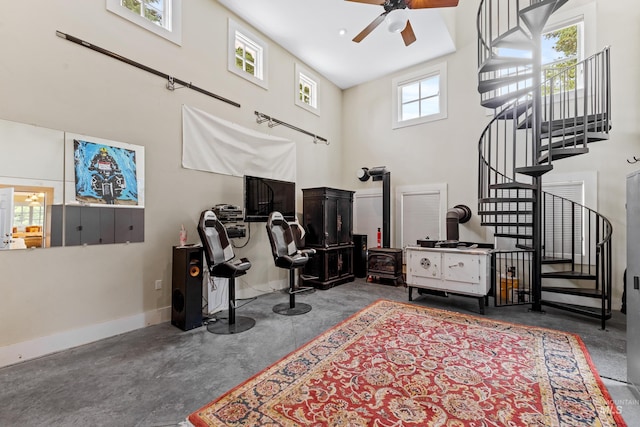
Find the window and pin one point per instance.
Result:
(562, 48)
(306, 89)
(420, 97)
(162, 17)
(28, 209)
(247, 55)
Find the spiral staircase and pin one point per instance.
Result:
(558, 252)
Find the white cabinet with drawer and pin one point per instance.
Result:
(463, 271)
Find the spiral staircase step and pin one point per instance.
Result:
(536, 16)
(500, 82)
(575, 141)
(500, 100)
(594, 121)
(495, 63)
(534, 171)
(562, 153)
(514, 236)
(512, 186)
(516, 38)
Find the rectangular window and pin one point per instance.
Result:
(28, 209)
(561, 49)
(247, 55)
(162, 17)
(420, 97)
(152, 10)
(306, 89)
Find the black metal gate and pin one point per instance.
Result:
(512, 273)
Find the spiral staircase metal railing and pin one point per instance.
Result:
(540, 116)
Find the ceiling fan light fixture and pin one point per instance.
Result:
(397, 20)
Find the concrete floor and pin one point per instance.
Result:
(158, 375)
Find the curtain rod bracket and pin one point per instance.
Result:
(171, 84)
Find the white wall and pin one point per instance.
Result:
(445, 151)
(56, 84)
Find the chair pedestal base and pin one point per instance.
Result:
(222, 326)
(288, 310)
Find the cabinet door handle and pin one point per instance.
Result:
(460, 264)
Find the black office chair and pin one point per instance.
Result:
(219, 255)
(287, 255)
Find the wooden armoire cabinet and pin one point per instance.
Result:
(328, 221)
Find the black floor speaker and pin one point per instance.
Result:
(186, 283)
(360, 255)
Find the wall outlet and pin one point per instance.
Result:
(158, 284)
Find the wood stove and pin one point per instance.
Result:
(385, 263)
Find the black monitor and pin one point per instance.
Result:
(264, 195)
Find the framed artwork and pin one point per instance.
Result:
(105, 172)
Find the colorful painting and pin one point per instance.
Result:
(105, 174)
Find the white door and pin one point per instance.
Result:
(6, 217)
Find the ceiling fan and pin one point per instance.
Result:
(398, 21)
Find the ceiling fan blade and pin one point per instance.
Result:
(408, 35)
(378, 2)
(364, 33)
(425, 4)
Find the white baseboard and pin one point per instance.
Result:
(26, 350)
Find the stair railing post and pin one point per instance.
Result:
(573, 236)
(588, 92)
(537, 181)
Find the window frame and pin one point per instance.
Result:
(172, 30)
(262, 49)
(416, 77)
(578, 21)
(302, 73)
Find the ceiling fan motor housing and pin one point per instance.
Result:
(390, 5)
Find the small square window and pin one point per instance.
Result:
(306, 89)
(247, 55)
(162, 17)
(420, 97)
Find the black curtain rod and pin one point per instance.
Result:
(261, 118)
(171, 80)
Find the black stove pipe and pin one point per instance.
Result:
(377, 174)
(459, 214)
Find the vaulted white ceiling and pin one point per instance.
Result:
(310, 30)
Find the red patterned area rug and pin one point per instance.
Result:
(397, 364)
